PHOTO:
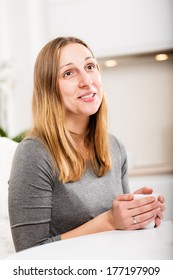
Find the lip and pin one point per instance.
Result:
(89, 94)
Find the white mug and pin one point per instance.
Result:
(138, 196)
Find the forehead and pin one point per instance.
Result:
(73, 53)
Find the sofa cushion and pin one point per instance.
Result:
(7, 149)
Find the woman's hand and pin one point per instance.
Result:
(144, 190)
(125, 208)
(160, 214)
(161, 199)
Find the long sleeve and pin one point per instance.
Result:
(124, 169)
(119, 155)
(30, 196)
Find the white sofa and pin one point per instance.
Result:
(7, 149)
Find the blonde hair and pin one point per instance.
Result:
(49, 119)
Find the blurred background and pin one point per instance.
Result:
(133, 42)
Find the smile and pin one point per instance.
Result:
(87, 96)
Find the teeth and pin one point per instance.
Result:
(87, 96)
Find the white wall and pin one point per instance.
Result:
(115, 27)
(22, 34)
(140, 99)
(17, 43)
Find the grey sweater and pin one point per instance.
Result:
(41, 208)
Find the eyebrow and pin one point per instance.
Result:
(71, 63)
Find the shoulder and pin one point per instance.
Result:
(32, 151)
(116, 145)
(31, 144)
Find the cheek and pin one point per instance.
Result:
(98, 80)
(65, 89)
(100, 86)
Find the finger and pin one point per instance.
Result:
(162, 206)
(157, 222)
(144, 190)
(160, 215)
(124, 197)
(161, 198)
(140, 225)
(146, 215)
(149, 200)
(154, 213)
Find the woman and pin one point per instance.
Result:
(69, 177)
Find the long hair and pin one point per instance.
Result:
(49, 119)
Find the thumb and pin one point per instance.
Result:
(124, 197)
(144, 190)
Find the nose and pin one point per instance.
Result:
(84, 79)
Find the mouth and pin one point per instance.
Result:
(87, 96)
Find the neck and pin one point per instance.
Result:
(77, 127)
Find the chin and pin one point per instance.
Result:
(90, 112)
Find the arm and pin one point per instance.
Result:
(120, 216)
(30, 200)
(99, 224)
(30, 196)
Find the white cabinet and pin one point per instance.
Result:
(114, 27)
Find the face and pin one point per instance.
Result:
(79, 81)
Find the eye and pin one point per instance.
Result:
(67, 73)
(91, 66)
